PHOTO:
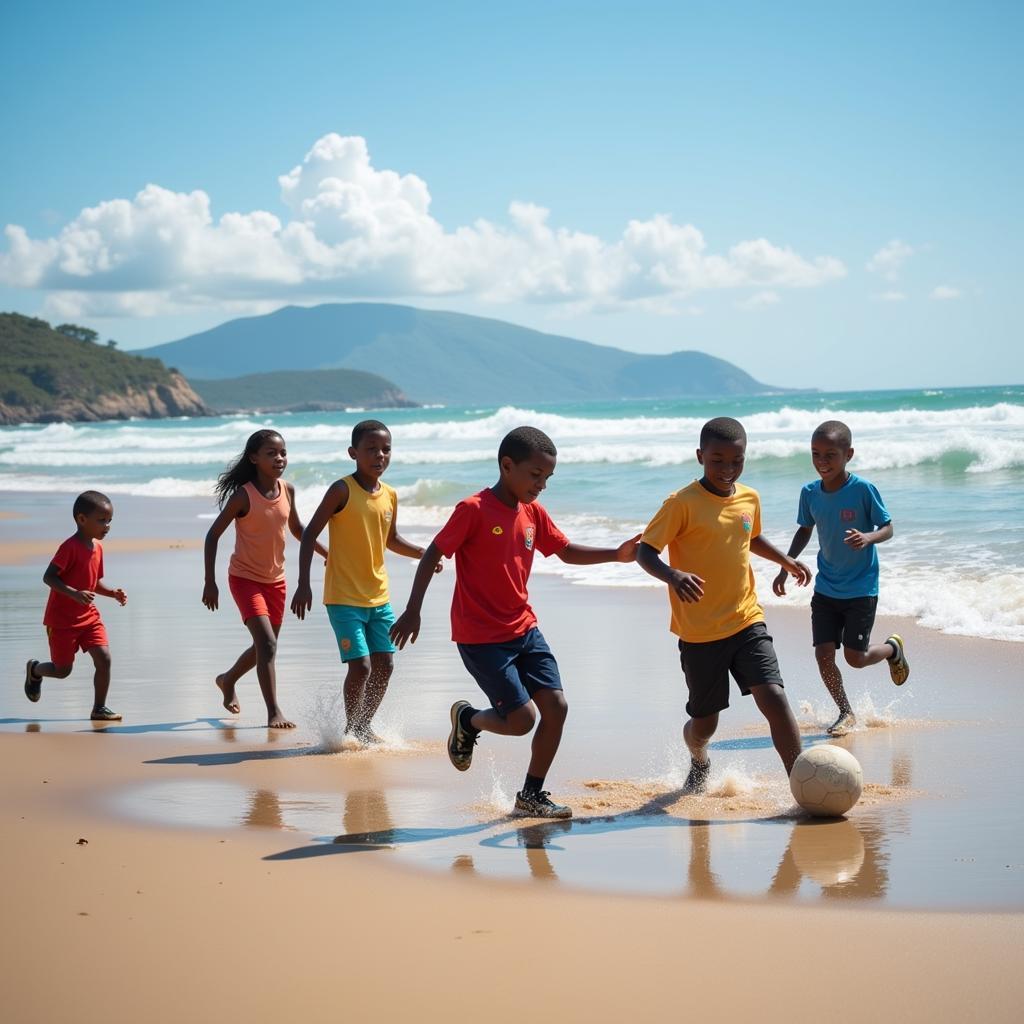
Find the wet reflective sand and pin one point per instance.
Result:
(939, 826)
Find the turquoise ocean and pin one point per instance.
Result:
(949, 464)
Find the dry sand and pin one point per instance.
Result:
(17, 552)
(161, 924)
(156, 923)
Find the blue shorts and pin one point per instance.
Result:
(362, 631)
(512, 672)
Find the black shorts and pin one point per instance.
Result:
(748, 655)
(843, 621)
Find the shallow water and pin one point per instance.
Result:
(939, 826)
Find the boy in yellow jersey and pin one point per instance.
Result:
(710, 528)
(362, 515)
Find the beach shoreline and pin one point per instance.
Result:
(219, 855)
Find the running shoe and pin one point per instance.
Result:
(538, 804)
(899, 667)
(460, 742)
(33, 683)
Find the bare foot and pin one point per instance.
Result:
(230, 700)
(278, 721)
(365, 735)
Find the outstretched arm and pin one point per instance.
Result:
(118, 595)
(799, 542)
(688, 586)
(859, 540)
(295, 524)
(400, 546)
(238, 505)
(763, 548)
(580, 554)
(407, 626)
(332, 503)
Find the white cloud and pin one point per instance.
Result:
(889, 260)
(944, 292)
(760, 299)
(352, 231)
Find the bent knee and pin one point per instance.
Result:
(522, 720)
(855, 659)
(62, 671)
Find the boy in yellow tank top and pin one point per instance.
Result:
(710, 529)
(361, 514)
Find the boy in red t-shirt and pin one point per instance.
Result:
(72, 620)
(493, 535)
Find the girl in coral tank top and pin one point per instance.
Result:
(251, 493)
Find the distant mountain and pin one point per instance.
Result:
(55, 376)
(301, 391)
(449, 357)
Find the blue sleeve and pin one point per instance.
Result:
(877, 511)
(804, 515)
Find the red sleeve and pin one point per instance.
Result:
(550, 539)
(63, 558)
(457, 530)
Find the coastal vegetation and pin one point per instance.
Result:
(52, 375)
(301, 391)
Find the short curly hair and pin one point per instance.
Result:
(521, 443)
(724, 429)
(835, 430)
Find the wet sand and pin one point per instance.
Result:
(232, 869)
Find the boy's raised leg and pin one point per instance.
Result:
(771, 702)
(101, 684)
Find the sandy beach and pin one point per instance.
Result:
(228, 869)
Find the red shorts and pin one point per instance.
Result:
(255, 598)
(66, 642)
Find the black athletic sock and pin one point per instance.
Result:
(533, 783)
(465, 717)
(895, 650)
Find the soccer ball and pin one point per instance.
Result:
(826, 780)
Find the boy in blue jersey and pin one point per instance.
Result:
(851, 519)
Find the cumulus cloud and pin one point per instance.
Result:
(889, 260)
(353, 231)
(944, 292)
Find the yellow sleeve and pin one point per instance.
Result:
(668, 522)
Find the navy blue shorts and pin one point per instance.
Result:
(748, 656)
(511, 673)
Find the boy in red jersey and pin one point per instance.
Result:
(72, 620)
(493, 535)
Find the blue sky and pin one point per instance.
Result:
(827, 195)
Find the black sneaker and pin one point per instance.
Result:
(697, 780)
(33, 683)
(538, 804)
(460, 742)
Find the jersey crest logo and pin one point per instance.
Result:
(497, 531)
(748, 521)
(529, 538)
(387, 516)
(847, 515)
